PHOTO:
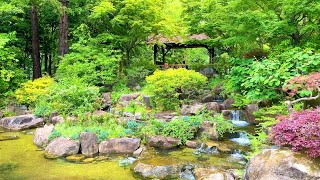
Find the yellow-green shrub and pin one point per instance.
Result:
(167, 86)
(31, 90)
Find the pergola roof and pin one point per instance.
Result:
(176, 39)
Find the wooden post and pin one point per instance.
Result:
(211, 55)
(155, 53)
(163, 55)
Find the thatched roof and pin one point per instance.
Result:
(176, 39)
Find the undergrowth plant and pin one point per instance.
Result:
(300, 131)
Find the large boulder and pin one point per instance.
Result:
(250, 109)
(41, 136)
(213, 106)
(212, 174)
(279, 164)
(126, 98)
(228, 103)
(163, 142)
(191, 109)
(106, 99)
(62, 147)
(157, 172)
(209, 129)
(89, 144)
(119, 146)
(22, 122)
(207, 98)
(227, 114)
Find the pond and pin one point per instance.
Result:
(21, 159)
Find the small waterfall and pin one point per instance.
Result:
(235, 115)
(236, 155)
(242, 139)
(235, 118)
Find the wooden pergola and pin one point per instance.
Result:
(177, 42)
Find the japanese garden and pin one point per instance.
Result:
(160, 89)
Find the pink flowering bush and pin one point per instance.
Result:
(300, 131)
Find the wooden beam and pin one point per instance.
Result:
(155, 53)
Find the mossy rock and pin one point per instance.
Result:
(75, 158)
(6, 138)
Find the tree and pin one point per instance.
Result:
(128, 23)
(303, 85)
(63, 29)
(35, 42)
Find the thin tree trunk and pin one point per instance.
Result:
(50, 64)
(46, 62)
(63, 30)
(35, 43)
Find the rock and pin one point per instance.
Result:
(119, 146)
(146, 101)
(88, 160)
(62, 147)
(41, 136)
(6, 138)
(213, 106)
(209, 72)
(157, 172)
(89, 144)
(163, 142)
(250, 109)
(106, 100)
(209, 129)
(212, 174)
(18, 123)
(191, 109)
(57, 119)
(165, 116)
(192, 144)
(75, 158)
(228, 103)
(217, 90)
(280, 164)
(139, 150)
(207, 98)
(227, 114)
(53, 114)
(99, 113)
(126, 98)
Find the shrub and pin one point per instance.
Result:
(167, 86)
(103, 126)
(183, 129)
(92, 64)
(69, 98)
(300, 131)
(31, 90)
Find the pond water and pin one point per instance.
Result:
(29, 163)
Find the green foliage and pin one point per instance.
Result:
(68, 98)
(214, 82)
(92, 64)
(240, 101)
(181, 129)
(10, 73)
(30, 91)
(104, 127)
(264, 79)
(118, 89)
(166, 86)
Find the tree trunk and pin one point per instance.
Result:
(35, 43)
(50, 64)
(46, 57)
(63, 30)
